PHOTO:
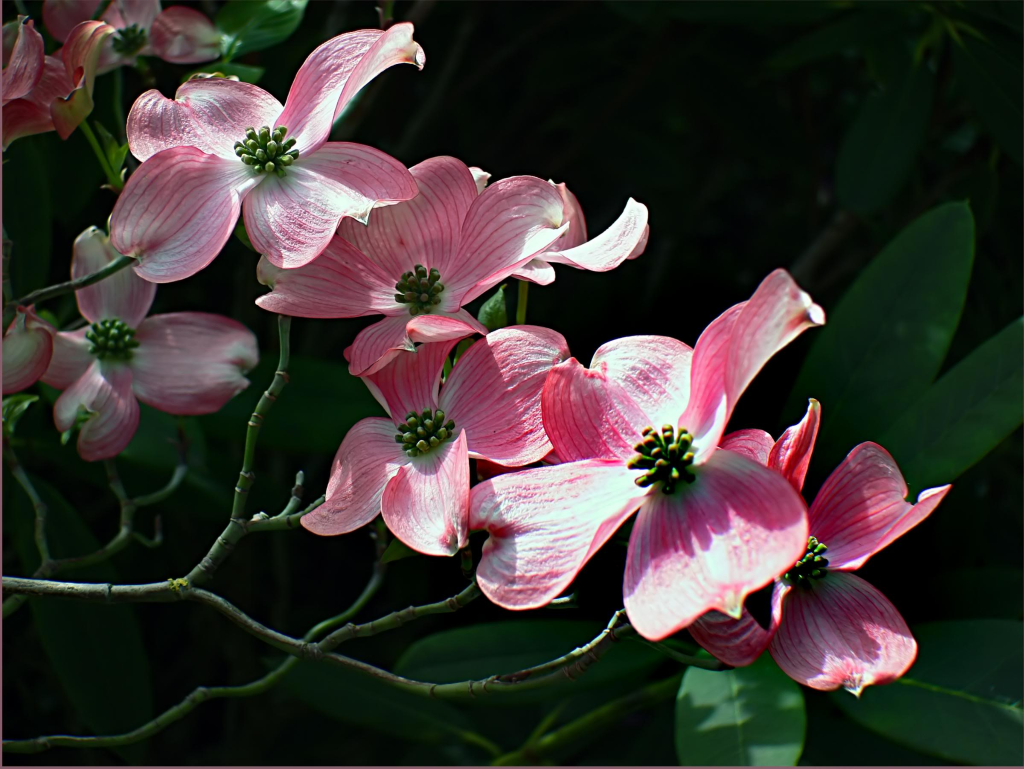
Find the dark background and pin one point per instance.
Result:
(681, 106)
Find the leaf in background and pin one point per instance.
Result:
(852, 31)
(989, 73)
(13, 407)
(249, 25)
(116, 153)
(752, 716)
(879, 149)
(28, 214)
(493, 313)
(886, 339)
(243, 235)
(95, 650)
(961, 701)
(396, 551)
(244, 72)
(964, 415)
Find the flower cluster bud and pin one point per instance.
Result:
(421, 432)
(267, 151)
(111, 339)
(810, 566)
(420, 289)
(664, 457)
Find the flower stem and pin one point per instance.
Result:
(122, 124)
(112, 178)
(706, 663)
(67, 287)
(522, 295)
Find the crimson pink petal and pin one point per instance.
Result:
(755, 445)
(62, 16)
(410, 381)
(426, 503)
(366, 460)
(71, 358)
(24, 68)
(31, 114)
(192, 363)
(710, 544)
(123, 295)
(842, 632)
(588, 416)
(544, 524)
(736, 642)
(334, 73)
(576, 235)
(862, 507)
(27, 350)
(378, 344)
(536, 271)
(105, 392)
(183, 36)
(81, 55)
(494, 393)
(624, 239)
(211, 114)
(177, 211)
(291, 220)
(791, 454)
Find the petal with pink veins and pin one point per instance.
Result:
(841, 632)
(494, 393)
(31, 114)
(862, 507)
(27, 350)
(653, 370)
(62, 16)
(104, 393)
(710, 544)
(123, 295)
(24, 67)
(536, 271)
(184, 36)
(544, 524)
(367, 459)
(736, 642)
(791, 453)
(411, 380)
(81, 55)
(178, 210)
(292, 219)
(755, 445)
(576, 235)
(375, 346)
(334, 73)
(624, 239)
(426, 503)
(71, 358)
(192, 363)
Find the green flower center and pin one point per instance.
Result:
(419, 289)
(129, 40)
(665, 457)
(811, 566)
(111, 339)
(425, 431)
(267, 151)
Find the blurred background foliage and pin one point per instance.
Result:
(804, 135)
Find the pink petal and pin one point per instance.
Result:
(335, 72)
(588, 416)
(410, 381)
(141, 13)
(576, 235)
(367, 459)
(192, 363)
(24, 68)
(625, 238)
(31, 114)
(791, 454)
(508, 223)
(653, 370)
(178, 210)
(494, 393)
(184, 35)
(536, 271)
(292, 219)
(211, 114)
(861, 508)
(81, 56)
(735, 347)
(71, 358)
(123, 295)
(755, 445)
(736, 642)
(105, 391)
(340, 283)
(426, 503)
(27, 350)
(480, 178)
(544, 524)
(62, 16)
(710, 544)
(378, 344)
(842, 632)
(425, 230)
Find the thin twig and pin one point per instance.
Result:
(67, 287)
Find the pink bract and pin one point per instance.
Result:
(184, 363)
(493, 397)
(27, 349)
(180, 207)
(836, 630)
(703, 545)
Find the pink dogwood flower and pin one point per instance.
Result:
(179, 34)
(829, 628)
(185, 363)
(640, 429)
(221, 145)
(27, 349)
(414, 467)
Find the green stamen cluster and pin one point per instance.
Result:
(111, 339)
(422, 432)
(421, 290)
(665, 456)
(129, 40)
(811, 566)
(266, 150)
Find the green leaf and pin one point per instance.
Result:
(96, 651)
(243, 235)
(852, 31)
(886, 339)
(964, 415)
(116, 153)
(493, 313)
(752, 716)
(878, 151)
(396, 551)
(989, 73)
(252, 26)
(244, 72)
(961, 701)
(13, 407)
